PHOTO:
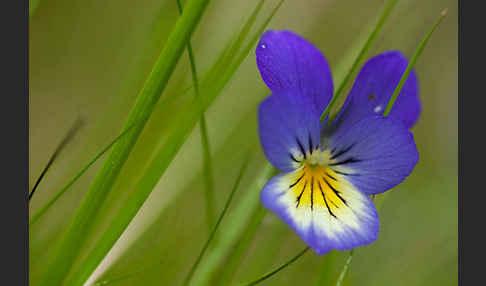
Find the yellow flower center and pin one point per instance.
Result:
(316, 185)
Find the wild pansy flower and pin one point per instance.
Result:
(328, 172)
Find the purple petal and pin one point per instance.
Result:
(287, 61)
(373, 88)
(289, 129)
(375, 154)
(339, 224)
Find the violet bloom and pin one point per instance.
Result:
(328, 173)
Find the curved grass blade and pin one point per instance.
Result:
(211, 85)
(345, 268)
(243, 132)
(208, 241)
(275, 271)
(221, 216)
(379, 25)
(414, 58)
(46, 207)
(241, 246)
(68, 137)
(230, 51)
(207, 166)
(77, 231)
(239, 220)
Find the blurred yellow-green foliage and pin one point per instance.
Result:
(89, 59)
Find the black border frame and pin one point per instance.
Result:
(14, 210)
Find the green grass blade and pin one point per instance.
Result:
(345, 268)
(155, 234)
(46, 207)
(208, 241)
(251, 202)
(379, 25)
(221, 216)
(231, 50)
(235, 259)
(77, 231)
(67, 138)
(275, 271)
(207, 166)
(414, 58)
(239, 220)
(260, 30)
(183, 124)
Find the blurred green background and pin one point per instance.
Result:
(89, 59)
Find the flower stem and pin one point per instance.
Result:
(379, 24)
(345, 268)
(414, 58)
(211, 236)
(207, 166)
(275, 271)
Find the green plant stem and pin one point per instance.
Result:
(67, 138)
(231, 265)
(210, 88)
(221, 216)
(232, 233)
(414, 58)
(77, 231)
(167, 151)
(207, 166)
(379, 25)
(273, 272)
(46, 207)
(208, 241)
(345, 268)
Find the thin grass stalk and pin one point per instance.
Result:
(67, 138)
(225, 246)
(227, 273)
(51, 202)
(207, 166)
(392, 100)
(167, 151)
(345, 268)
(231, 50)
(77, 231)
(208, 241)
(379, 25)
(240, 220)
(275, 271)
(221, 216)
(414, 58)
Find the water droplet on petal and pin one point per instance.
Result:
(377, 109)
(263, 46)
